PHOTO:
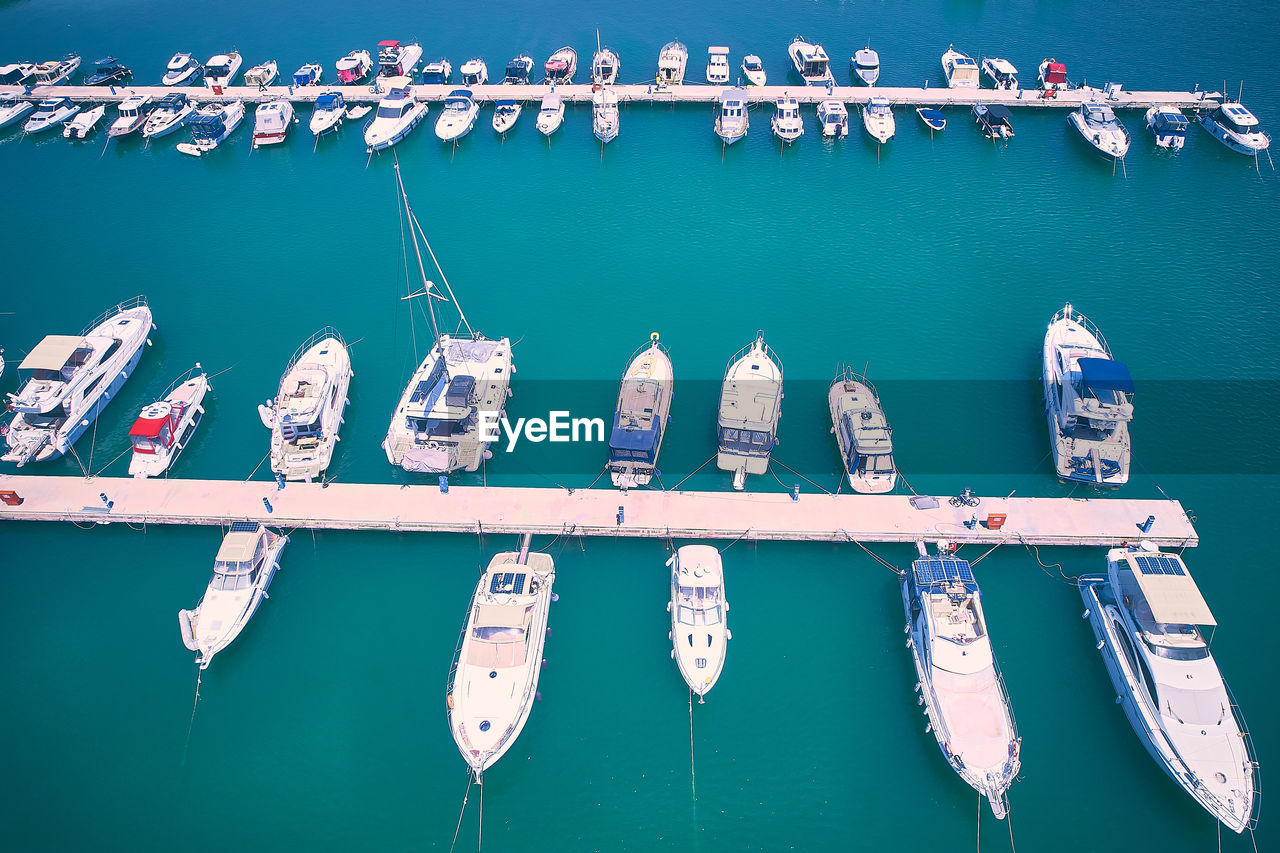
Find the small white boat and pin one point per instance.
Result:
(750, 408)
(51, 113)
(13, 110)
(164, 428)
(397, 60)
(327, 115)
(132, 115)
(605, 66)
(306, 414)
(358, 111)
(56, 72)
(933, 118)
(562, 65)
(182, 69)
(271, 122)
(604, 115)
(262, 75)
(834, 118)
(959, 69)
(518, 71)
(753, 70)
(1237, 128)
(731, 116)
(865, 65)
(877, 118)
(718, 65)
(354, 67)
(438, 72)
(786, 122)
(18, 74)
(1098, 126)
(247, 561)
(505, 115)
(672, 61)
(84, 123)
(1052, 76)
(641, 417)
(699, 616)
(811, 63)
(474, 72)
(1001, 73)
(863, 435)
(221, 70)
(550, 114)
(994, 120)
(1169, 126)
(457, 116)
(167, 115)
(398, 113)
(310, 74)
(210, 126)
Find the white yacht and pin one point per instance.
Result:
(69, 379)
(494, 678)
(505, 115)
(17, 74)
(1237, 128)
(561, 66)
(167, 115)
(327, 114)
(164, 428)
(550, 114)
(753, 70)
(786, 122)
(354, 67)
(834, 118)
(397, 60)
(518, 71)
(1002, 73)
(718, 65)
(1052, 76)
(1146, 613)
(750, 408)
(604, 115)
(306, 414)
(271, 122)
(182, 69)
(811, 63)
(131, 115)
(640, 420)
(458, 116)
(863, 434)
(731, 116)
(398, 113)
(1098, 126)
(13, 110)
(605, 66)
(474, 72)
(877, 118)
(221, 70)
(865, 65)
(262, 75)
(959, 683)
(51, 113)
(84, 122)
(211, 125)
(56, 72)
(247, 561)
(959, 69)
(699, 616)
(460, 389)
(437, 72)
(672, 61)
(1169, 126)
(1087, 395)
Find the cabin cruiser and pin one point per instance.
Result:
(57, 71)
(550, 114)
(84, 123)
(959, 683)
(458, 116)
(877, 118)
(1169, 126)
(247, 561)
(354, 67)
(271, 122)
(262, 75)
(108, 71)
(398, 60)
(1237, 128)
(51, 113)
(505, 115)
(1098, 125)
(750, 408)
(438, 72)
(518, 71)
(308, 75)
(13, 110)
(398, 113)
(164, 428)
(672, 61)
(167, 115)
(327, 115)
(1087, 396)
(811, 63)
(1146, 613)
(605, 66)
(786, 122)
(834, 118)
(995, 120)
(640, 420)
(494, 678)
(306, 414)
(933, 118)
(474, 72)
(459, 392)
(1052, 76)
(1001, 73)
(753, 70)
(718, 65)
(69, 379)
(211, 125)
(863, 435)
(959, 69)
(865, 65)
(731, 116)
(221, 70)
(699, 616)
(604, 115)
(182, 69)
(132, 116)
(17, 74)
(562, 65)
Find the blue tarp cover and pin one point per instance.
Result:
(635, 440)
(1104, 374)
(328, 101)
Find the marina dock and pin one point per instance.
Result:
(598, 512)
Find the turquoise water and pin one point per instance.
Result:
(938, 262)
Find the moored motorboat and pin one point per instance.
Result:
(164, 428)
(550, 114)
(13, 110)
(604, 115)
(132, 115)
(437, 72)
(834, 118)
(330, 109)
(262, 75)
(84, 123)
(863, 435)
(753, 70)
(398, 60)
(1001, 73)
(877, 119)
(474, 72)
(211, 125)
(865, 65)
(306, 414)
(672, 61)
(561, 66)
(308, 75)
(518, 71)
(750, 408)
(699, 616)
(1169, 126)
(271, 122)
(786, 122)
(505, 115)
(354, 67)
(933, 118)
(1098, 126)
(605, 66)
(108, 71)
(457, 116)
(641, 416)
(994, 120)
(811, 63)
(731, 115)
(959, 69)
(51, 113)
(17, 74)
(221, 70)
(56, 72)
(398, 113)
(182, 69)
(717, 65)
(1237, 128)
(167, 115)
(1052, 76)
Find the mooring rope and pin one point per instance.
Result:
(798, 474)
(677, 486)
(191, 723)
(726, 547)
(1035, 551)
(873, 555)
(693, 773)
(256, 467)
(470, 778)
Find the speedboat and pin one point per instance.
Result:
(69, 380)
(308, 75)
(330, 108)
(505, 115)
(959, 69)
(750, 408)
(960, 684)
(1146, 613)
(786, 122)
(995, 120)
(518, 71)
(167, 115)
(605, 66)
(17, 74)
(262, 75)
(438, 72)
(182, 68)
(1098, 125)
(494, 678)
(877, 118)
(561, 66)
(934, 119)
(164, 428)
(834, 118)
(1052, 77)
(1237, 128)
(221, 70)
(458, 116)
(271, 122)
(1001, 72)
(731, 115)
(132, 115)
(354, 67)
(449, 412)
(604, 115)
(398, 60)
(306, 414)
(718, 65)
(753, 70)
(247, 561)
(1169, 126)
(811, 63)
(865, 65)
(550, 114)
(474, 72)
(13, 110)
(51, 113)
(672, 60)
(863, 435)
(57, 71)
(84, 123)
(1087, 395)
(210, 126)
(108, 71)
(699, 616)
(398, 113)
(644, 406)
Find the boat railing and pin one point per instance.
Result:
(845, 373)
(768, 351)
(1252, 754)
(316, 337)
(653, 342)
(457, 656)
(137, 301)
(1069, 313)
(190, 374)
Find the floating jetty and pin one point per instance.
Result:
(597, 512)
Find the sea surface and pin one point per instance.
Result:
(935, 262)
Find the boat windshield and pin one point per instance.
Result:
(391, 110)
(298, 431)
(425, 428)
(1192, 707)
(695, 600)
(216, 70)
(752, 65)
(496, 634)
(231, 576)
(881, 464)
(751, 441)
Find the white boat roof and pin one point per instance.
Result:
(1004, 66)
(700, 563)
(500, 616)
(238, 546)
(51, 353)
(718, 51)
(867, 56)
(1173, 595)
(1239, 114)
(550, 101)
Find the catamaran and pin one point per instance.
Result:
(644, 404)
(750, 408)
(306, 414)
(164, 428)
(863, 435)
(699, 616)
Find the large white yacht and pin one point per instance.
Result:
(51, 113)
(863, 435)
(1237, 128)
(672, 61)
(959, 681)
(604, 115)
(242, 571)
(1098, 126)
(397, 60)
(69, 379)
(877, 119)
(699, 616)
(811, 63)
(306, 414)
(731, 116)
(164, 428)
(750, 408)
(398, 113)
(640, 420)
(458, 116)
(959, 69)
(1146, 614)
(494, 678)
(1087, 395)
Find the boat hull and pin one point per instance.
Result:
(207, 648)
(399, 133)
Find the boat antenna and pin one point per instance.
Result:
(426, 285)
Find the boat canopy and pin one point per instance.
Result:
(551, 101)
(869, 434)
(1002, 67)
(997, 114)
(329, 101)
(1171, 120)
(389, 43)
(934, 118)
(206, 127)
(151, 420)
(1238, 114)
(1172, 594)
(52, 353)
(639, 443)
(238, 547)
(504, 105)
(1055, 72)
(1105, 374)
(174, 101)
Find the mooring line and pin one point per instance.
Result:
(191, 723)
(470, 778)
(693, 773)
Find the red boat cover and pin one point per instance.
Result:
(148, 427)
(389, 43)
(1056, 73)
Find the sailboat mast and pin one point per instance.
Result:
(413, 237)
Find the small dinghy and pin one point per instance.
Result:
(933, 118)
(354, 67)
(699, 616)
(262, 75)
(328, 113)
(83, 124)
(164, 428)
(358, 111)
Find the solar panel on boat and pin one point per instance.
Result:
(244, 526)
(507, 582)
(1159, 566)
(931, 570)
